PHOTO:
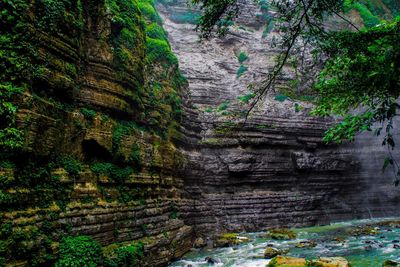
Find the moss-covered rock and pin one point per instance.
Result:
(271, 252)
(281, 261)
(230, 239)
(280, 234)
(330, 262)
(364, 230)
(391, 224)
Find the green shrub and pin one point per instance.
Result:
(281, 98)
(246, 98)
(124, 128)
(298, 107)
(88, 113)
(117, 174)
(79, 251)
(11, 138)
(367, 16)
(223, 106)
(242, 69)
(369, 19)
(71, 165)
(268, 28)
(124, 256)
(242, 57)
(56, 15)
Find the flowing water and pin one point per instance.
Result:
(337, 239)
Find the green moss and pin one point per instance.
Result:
(223, 106)
(246, 98)
(281, 261)
(148, 11)
(208, 109)
(230, 239)
(127, 35)
(155, 31)
(281, 98)
(242, 57)
(281, 234)
(160, 50)
(242, 69)
(123, 129)
(59, 15)
(116, 173)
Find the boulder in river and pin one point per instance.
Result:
(210, 260)
(280, 234)
(281, 261)
(390, 263)
(306, 244)
(230, 239)
(271, 252)
(364, 230)
(391, 224)
(330, 262)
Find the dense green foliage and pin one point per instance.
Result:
(83, 251)
(117, 174)
(80, 251)
(15, 70)
(10, 137)
(362, 73)
(124, 256)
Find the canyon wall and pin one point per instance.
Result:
(275, 169)
(95, 102)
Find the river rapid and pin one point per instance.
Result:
(364, 243)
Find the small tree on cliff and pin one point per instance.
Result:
(360, 76)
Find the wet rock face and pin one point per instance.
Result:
(275, 170)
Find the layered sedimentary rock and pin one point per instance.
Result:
(98, 110)
(275, 169)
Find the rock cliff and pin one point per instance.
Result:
(275, 169)
(94, 96)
